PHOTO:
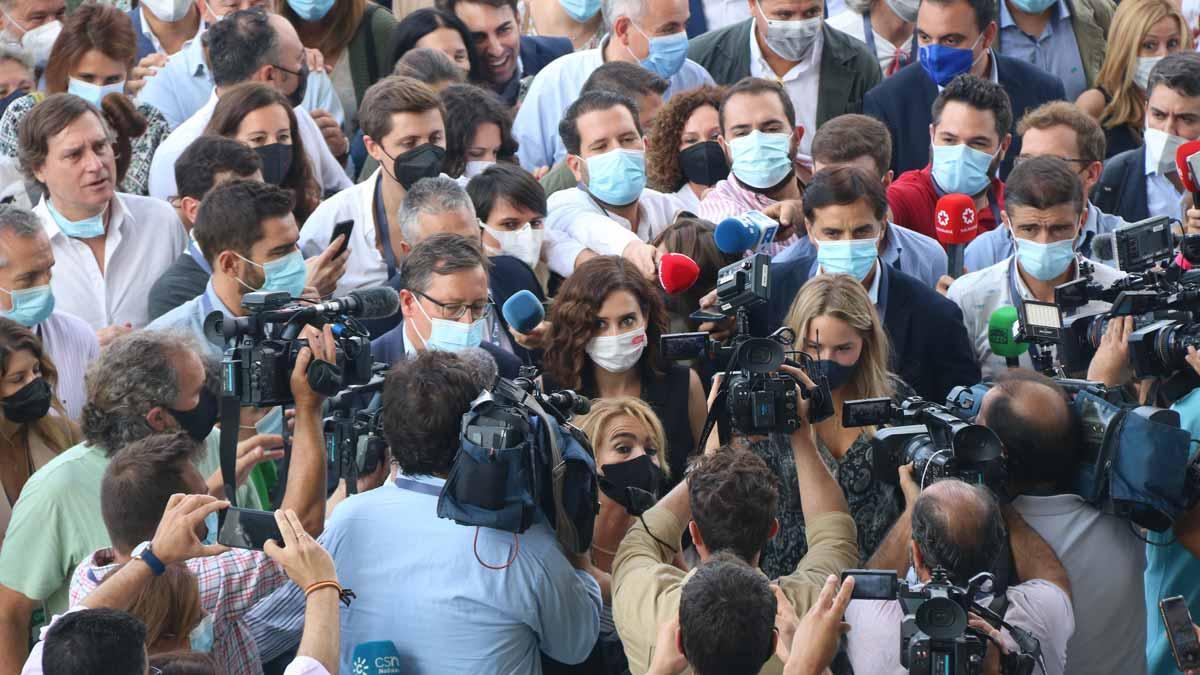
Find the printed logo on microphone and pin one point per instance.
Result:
(969, 219)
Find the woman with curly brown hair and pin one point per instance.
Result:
(603, 342)
(685, 157)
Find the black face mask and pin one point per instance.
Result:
(634, 484)
(423, 161)
(199, 421)
(704, 163)
(836, 374)
(297, 96)
(30, 403)
(276, 162)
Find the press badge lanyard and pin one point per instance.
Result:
(900, 60)
(385, 234)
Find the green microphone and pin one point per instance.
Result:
(1001, 340)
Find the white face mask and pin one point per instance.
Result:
(524, 244)
(475, 168)
(618, 353)
(1145, 64)
(1161, 147)
(168, 10)
(37, 42)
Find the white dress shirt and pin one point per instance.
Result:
(71, 345)
(721, 13)
(802, 83)
(851, 23)
(330, 175)
(575, 222)
(1162, 199)
(143, 237)
(556, 87)
(365, 266)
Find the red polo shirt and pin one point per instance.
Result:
(913, 198)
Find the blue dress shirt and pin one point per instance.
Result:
(188, 318)
(1054, 51)
(995, 245)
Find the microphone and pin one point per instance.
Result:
(748, 232)
(480, 365)
(1103, 246)
(1002, 328)
(677, 273)
(1187, 163)
(365, 303)
(375, 658)
(523, 311)
(956, 225)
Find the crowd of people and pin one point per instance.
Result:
(168, 165)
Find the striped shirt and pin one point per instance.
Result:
(728, 198)
(230, 584)
(71, 345)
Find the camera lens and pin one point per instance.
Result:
(941, 618)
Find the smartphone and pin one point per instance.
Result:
(872, 584)
(248, 528)
(1180, 632)
(343, 228)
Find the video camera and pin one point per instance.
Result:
(758, 398)
(354, 432)
(933, 438)
(935, 638)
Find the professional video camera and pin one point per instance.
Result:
(519, 454)
(261, 347)
(354, 433)
(936, 441)
(935, 638)
(758, 398)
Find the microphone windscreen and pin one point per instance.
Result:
(955, 220)
(523, 311)
(376, 658)
(376, 303)
(480, 365)
(1000, 333)
(1181, 164)
(1102, 246)
(677, 272)
(735, 236)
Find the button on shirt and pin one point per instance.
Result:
(575, 222)
(557, 86)
(143, 238)
(1054, 51)
(329, 174)
(910, 252)
(1162, 199)
(995, 245)
(802, 83)
(978, 294)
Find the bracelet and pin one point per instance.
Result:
(345, 595)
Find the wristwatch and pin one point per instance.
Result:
(142, 552)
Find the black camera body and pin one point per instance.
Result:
(353, 432)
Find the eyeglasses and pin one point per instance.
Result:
(455, 310)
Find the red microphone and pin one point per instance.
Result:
(956, 225)
(677, 272)
(1187, 162)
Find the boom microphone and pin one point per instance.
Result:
(376, 658)
(677, 272)
(1002, 327)
(480, 366)
(366, 303)
(1187, 163)
(523, 311)
(956, 224)
(748, 232)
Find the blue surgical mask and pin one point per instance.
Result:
(761, 160)
(963, 169)
(271, 423)
(79, 229)
(311, 10)
(1045, 261)
(212, 522)
(1033, 6)
(93, 93)
(855, 257)
(201, 637)
(30, 306)
(617, 177)
(452, 336)
(580, 10)
(943, 64)
(287, 274)
(667, 53)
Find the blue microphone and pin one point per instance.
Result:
(523, 311)
(375, 658)
(748, 232)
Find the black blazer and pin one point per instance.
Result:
(389, 348)
(538, 50)
(181, 282)
(930, 348)
(1122, 187)
(507, 276)
(903, 103)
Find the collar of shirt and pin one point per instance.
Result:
(760, 68)
(428, 480)
(891, 248)
(117, 213)
(1063, 13)
(210, 301)
(410, 350)
(193, 55)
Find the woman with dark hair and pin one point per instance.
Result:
(92, 58)
(430, 66)
(435, 29)
(29, 435)
(262, 118)
(478, 131)
(353, 36)
(603, 342)
(686, 158)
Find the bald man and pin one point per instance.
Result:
(1031, 415)
(960, 528)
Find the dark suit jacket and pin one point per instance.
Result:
(930, 348)
(144, 46)
(389, 348)
(538, 50)
(1122, 187)
(183, 281)
(506, 277)
(903, 103)
(848, 68)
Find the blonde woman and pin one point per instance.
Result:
(1142, 33)
(836, 324)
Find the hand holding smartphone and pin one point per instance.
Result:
(1181, 632)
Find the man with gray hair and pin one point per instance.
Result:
(32, 24)
(633, 24)
(26, 262)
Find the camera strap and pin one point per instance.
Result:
(230, 409)
(564, 527)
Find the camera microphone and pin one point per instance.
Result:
(677, 273)
(366, 303)
(523, 311)
(379, 657)
(956, 224)
(1103, 246)
(1002, 327)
